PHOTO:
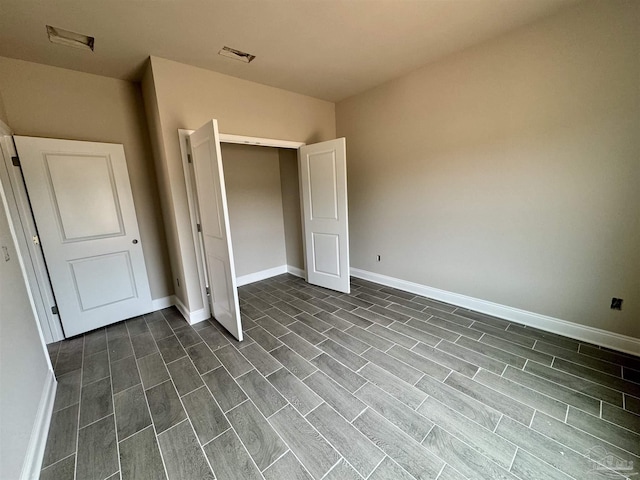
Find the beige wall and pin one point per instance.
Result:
(510, 172)
(252, 179)
(187, 97)
(52, 102)
(23, 363)
(291, 210)
(3, 112)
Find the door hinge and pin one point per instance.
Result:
(15, 161)
(189, 157)
(54, 310)
(199, 227)
(36, 240)
(208, 290)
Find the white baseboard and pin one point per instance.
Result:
(298, 272)
(261, 275)
(35, 450)
(191, 317)
(163, 302)
(543, 322)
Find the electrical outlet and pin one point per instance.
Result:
(377, 258)
(616, 303)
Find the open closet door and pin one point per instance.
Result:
(214, 220)
(323, 184)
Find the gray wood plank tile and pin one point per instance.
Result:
(472, 357)
(516, 349)
(202, 357)
(392, 336)
(229, 458)
(403, 449)
(61, 441)
(160, 329)
(313, 322)
(262, 442)
(396, 367)
(391, 384)
(554, 453)
(346, 439)
(416, 334)
(261, 392)
(467, 406)
(333, 320)
(632, 375)
(206, 417)
(610, 381)
(553, 390)
(97, 450)
(408, 309)
(609, 432)
(174, 318)
(338, 372)
(478, 317)
(294, 362)
(374, 299)
(396, 412)
(482, 439)
(95, 401)
(300, 346)
(132, 412)
(419, 362)
(579, 440)
(432, 329)
(388, 469)
(304, 441)
(287, 308)
(346, 340)
(140, 457)
(187, 336)
(124, 374)
(369, 338)
(504, 334)
(632, 404)
(286, 467)
(445, 359)
(68, 391)
(577, 383)
(327, 307)
(373, 316)
(119, 348)
(152, 370)
(165, 407)
(116, 330)
(170, 349)
(182, 455)
(340, 303)
(304, 306)
(455, 327)
(272, 326)
(619, 358)
(342, 354)
(394, 312)
(279, 316)
(490, 397)
(309, 334)
(264, 338)
(579, 358)
(528, 467)
(621, 417)
(492, 352)
(352, 318)
(213, 337)
(233, 361)
(224, 388)
(95, 367)
(136, 326)
(429, 302)
(337, 397)
(62, 470)
(448, 473)
(265, 363)
(95, 341)
(143, 345)
(548, 337)
(342, 471)
(297, 393)
(523, 394)
(185, 376)
(462, 457)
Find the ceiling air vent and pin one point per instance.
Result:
(236, 54)
(70, 39)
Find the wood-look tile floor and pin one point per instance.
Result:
(378, 384)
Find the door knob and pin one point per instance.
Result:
(135, 240)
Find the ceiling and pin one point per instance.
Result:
(329, 49)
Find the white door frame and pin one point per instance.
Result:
(31, 254)
(187, 166)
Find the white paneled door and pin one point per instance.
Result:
(82, 203)
(323, 185)
(214, 221)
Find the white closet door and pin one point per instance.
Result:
(214, 219)
(323, 185)
(82, 203)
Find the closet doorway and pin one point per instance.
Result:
(321, 206)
